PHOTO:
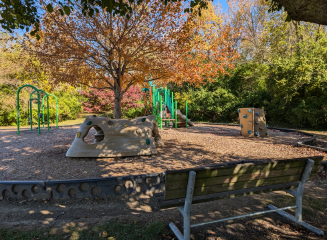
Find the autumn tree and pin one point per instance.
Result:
(211, 50)
(114, 52)
(101, 100)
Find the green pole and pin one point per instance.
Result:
(56, 107)
(38, 113)
(47, 110)
(57, 111)
(166, 93)
(31, 115)
(31, 104)
(38, 106)
(172, 105)
(43, 110)
(186, 113)
(175, 114)
(168, 102)
(153, 99)
(161, 112)
(158, 107)
(42, 106)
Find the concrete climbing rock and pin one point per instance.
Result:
(117, 137)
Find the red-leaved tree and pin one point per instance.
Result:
(102, 100)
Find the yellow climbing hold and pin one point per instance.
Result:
(125, 125)
(78, 134)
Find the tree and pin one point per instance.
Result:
(23, 13)
(15, 14)
(113, 52)
(313, 11)
(251, 17)
(101, 100)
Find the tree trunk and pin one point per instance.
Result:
(118, 97)
(117, 106)
(306, 10)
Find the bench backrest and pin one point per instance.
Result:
(236, 176)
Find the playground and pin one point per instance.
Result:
(42, 156)
(36, 159)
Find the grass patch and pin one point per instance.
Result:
(112, 230)
(319, 204)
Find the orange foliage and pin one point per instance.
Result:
(114, 52)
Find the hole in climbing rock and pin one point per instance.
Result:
(26, 193)
(15, 189)
(72, 192)
(35, 189)
(94, 135)
(95, 191)
(5, 193)
(140, 187)
(60, 188)
(129, 184)
(151, 181)
(84, 187)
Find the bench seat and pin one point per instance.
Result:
(203, 184)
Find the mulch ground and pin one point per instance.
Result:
(30, 156)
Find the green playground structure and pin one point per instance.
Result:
(164, 108)
(30, 109)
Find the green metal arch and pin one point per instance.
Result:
(46, 95)
(48, 108)
(56, 107)
(38, 106)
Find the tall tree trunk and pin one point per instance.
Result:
(117, 103)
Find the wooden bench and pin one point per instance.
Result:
(190, 186)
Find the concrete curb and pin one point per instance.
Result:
(82, 188)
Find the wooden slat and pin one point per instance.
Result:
(234, 178)
(226, 170)
(203, 190)
(240, 168)
(230, 194)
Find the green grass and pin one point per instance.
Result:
(112, 230)
(76, 121)
(316, 203)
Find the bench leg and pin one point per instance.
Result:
(292, 218)
(186, 210)
(299, 195)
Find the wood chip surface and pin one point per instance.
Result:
(30, 156)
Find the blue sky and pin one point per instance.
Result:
(222, 2)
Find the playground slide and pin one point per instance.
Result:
(180, 115)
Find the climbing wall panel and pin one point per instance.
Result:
(252, 122)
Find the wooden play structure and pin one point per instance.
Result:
(116, 137)
(252, 122)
